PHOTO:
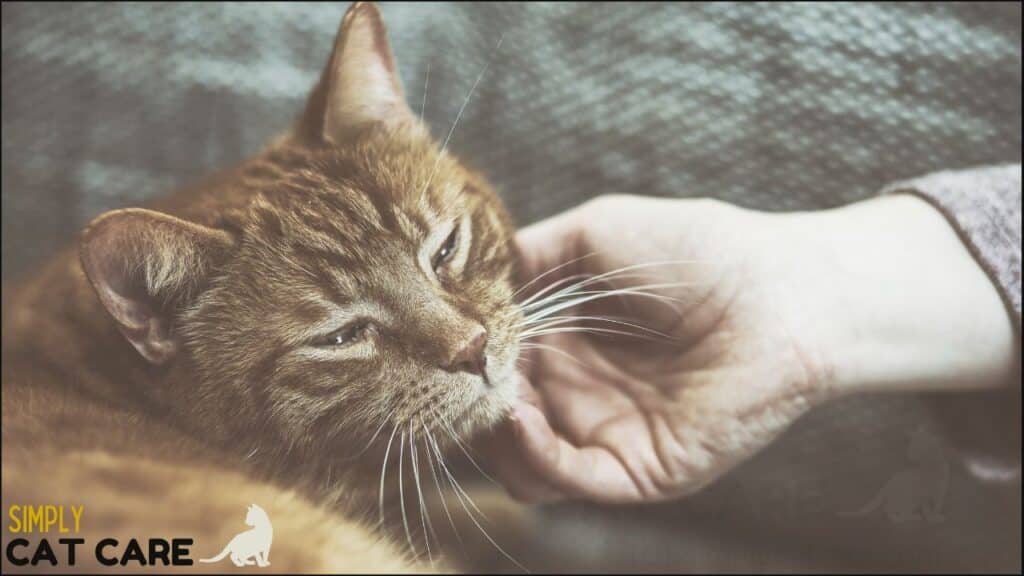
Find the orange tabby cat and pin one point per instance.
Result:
(271, 337)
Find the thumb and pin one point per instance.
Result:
(590, 472)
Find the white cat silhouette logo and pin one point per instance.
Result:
(252, 545)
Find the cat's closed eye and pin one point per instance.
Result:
(346, 335)
(446, 251)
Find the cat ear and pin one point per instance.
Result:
(144, 266)
(360, 85)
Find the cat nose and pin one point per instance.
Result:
(470, 357)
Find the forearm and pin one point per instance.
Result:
(908, 307)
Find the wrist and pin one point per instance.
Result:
(905, 306)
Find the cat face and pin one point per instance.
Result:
(362, 284)
(368, 300)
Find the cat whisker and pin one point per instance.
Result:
(424, 515)
(522, 359)
(553, 290)
(561, 320)
(458, 493)
(459, 490)
(587, 279)
(401, 497)
(551, 271)
(252, 453)
(581, 329)
(426, 84)
(574, 289)
(444, 146)
(383, 423)
(437, 483)
(618, 272)
(383, 471)
(592, 295)
(455, 438)
(549, 348)
(578, 287)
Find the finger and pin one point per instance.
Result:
(508, 459)
(590, 472)
(525, 392)
(510, 468)
(547, 247)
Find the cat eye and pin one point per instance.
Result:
(444, 254)
(349, 334)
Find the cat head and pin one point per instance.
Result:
(354, 278)
(254, 515)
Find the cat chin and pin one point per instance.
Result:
(490, 408)
(482, 416)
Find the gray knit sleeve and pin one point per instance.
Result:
(984, 205)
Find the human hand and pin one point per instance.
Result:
(747, 320)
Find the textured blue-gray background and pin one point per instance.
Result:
(778, 107)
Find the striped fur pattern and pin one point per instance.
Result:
(326, 229)
(336, 234)
(270, 331)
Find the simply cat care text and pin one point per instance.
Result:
(48, 534)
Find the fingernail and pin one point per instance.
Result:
(518, 410)
(517, 424)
